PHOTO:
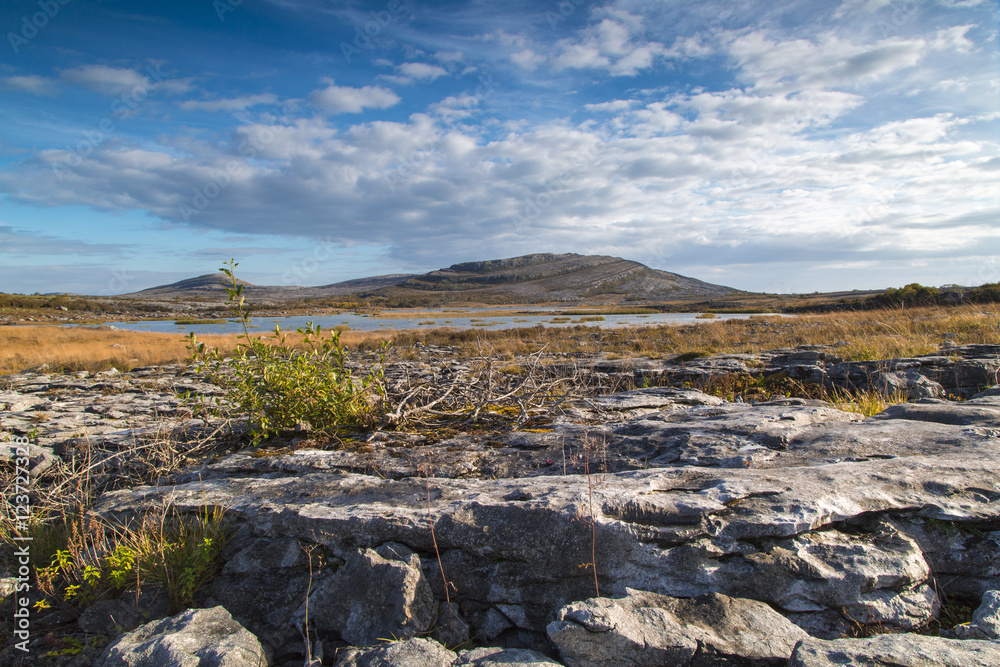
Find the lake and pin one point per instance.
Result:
(428, 319)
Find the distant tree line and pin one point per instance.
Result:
(916, 294)
(58, 301)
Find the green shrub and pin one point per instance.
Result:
(987, 293)
(281, 387)
(89, 560)
(913, 294)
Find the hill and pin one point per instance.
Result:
(550, 277)
(210, 284)
(537, 278)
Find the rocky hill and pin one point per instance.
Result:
(550, 277)
(210, 284)
(538, 278)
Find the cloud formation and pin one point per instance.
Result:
(344, 99)
(743, 143)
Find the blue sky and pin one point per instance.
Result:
(791, 146)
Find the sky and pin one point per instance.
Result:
(794, 146)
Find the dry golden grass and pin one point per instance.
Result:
(76, 348)
(859, 335)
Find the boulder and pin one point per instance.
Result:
(906, 650)
(413, 652)
(648, 629)
(500, 657)
(40, 459)
(976, 412)
(801, 506)
(263, 584)
(450, 628)
(910, 384)
(374, 599)
(194, 638)
(985, 622)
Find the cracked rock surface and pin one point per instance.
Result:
(821, 521)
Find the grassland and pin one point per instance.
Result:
(79, 348)
(858, 336)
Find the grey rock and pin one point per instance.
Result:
(414, 652)
(989, 393)
(655, 399)
(40, 459)
(601, 632)
(267, 556)
(906, 650)
(500, 657)
(372, 599)
(985, 622)
(786, 503)
(265, 603)
(450, 629)
(14, 402)
(648, 629)
(494, 623)
(910, 384)
(194, 638)
(977, 412)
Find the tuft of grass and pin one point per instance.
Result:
(866, 402)
(80, 559)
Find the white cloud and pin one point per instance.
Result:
(344, 99)
(737, 178)
(410, 72)
(527, 59)
(773, 65)
(449, 56)
(422, 71)
(612, 106)
(612, 44)
(105, 80)
(229, 104)
(34, 85)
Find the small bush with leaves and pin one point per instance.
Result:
(92, 560)
(279, 386)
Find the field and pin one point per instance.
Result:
(857, 335)
(78, 348)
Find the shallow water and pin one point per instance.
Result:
(428, 319)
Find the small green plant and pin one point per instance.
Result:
(176, 554)
(279, 386)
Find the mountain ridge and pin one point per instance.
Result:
(534, 278)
